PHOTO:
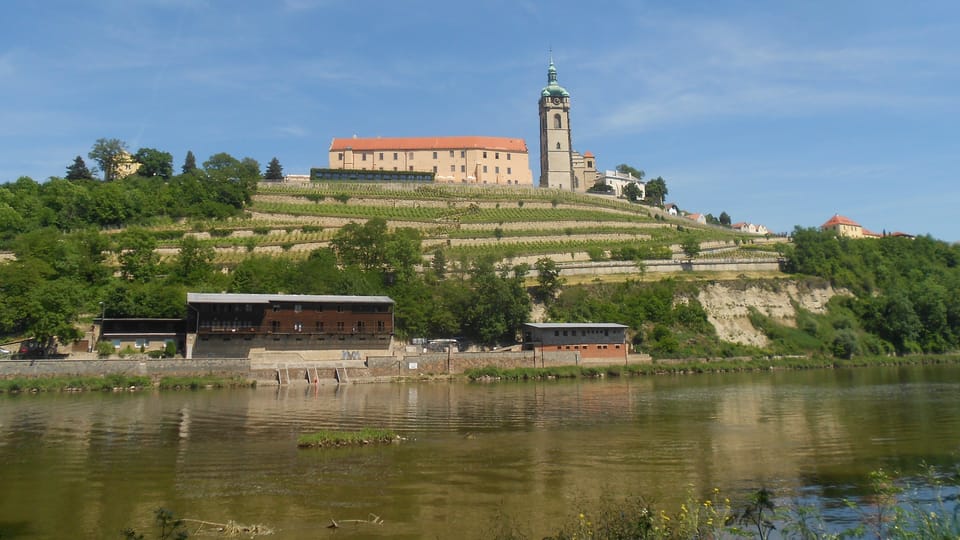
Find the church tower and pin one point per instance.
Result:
(556, 150)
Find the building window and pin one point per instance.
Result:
(409, 155)
(274, 326)
(558, 145)
(359, 327)
(340, 156)
(484, 155)
(141, 343)
(297, 308)
(556, 333)
(298, 326)
(395, 156)
(276, 308)
(453, 168)
(463, 168)
(381, 156)
(340, 326)
(496, 156)
(590, 164)
(463, 153)
(339, 308)
(319, 326)
(484, 168)
(364, 156)
(508, 157)
(434, 155)
(496, 170)
(381, 326)
(394, 168)
(451, 153)
(508, 171)
(410, 167)
(434, 169)
(557, 124)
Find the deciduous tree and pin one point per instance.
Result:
(108, 153)
(154, 162)
(656, 191)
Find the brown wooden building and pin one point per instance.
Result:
(235, 324)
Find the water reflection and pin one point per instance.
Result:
(82, 464)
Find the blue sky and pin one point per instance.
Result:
(779, 113)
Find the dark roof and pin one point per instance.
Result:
(547, 326)
(231, 298)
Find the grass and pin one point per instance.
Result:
(329, 439)
(207, 381)
(73, 383)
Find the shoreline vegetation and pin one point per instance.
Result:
(686, 367)
(115, 382)
(336, 439)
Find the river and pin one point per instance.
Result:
(476, 455)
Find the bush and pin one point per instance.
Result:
(105, 348)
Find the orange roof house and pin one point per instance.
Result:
(843, 226)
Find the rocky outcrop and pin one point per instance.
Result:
(728, 305)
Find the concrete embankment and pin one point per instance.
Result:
(264, 372)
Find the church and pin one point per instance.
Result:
(561, 167)
(474, 159)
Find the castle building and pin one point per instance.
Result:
(467, 159)
(561, 167)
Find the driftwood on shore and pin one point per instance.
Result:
(372, 519)
(228, 529)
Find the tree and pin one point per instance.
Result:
(109, 154)
(137, 254)
(189, 163)
(632, 192)
(274, 170)
(690, 246)
(153, 162)
(656, 191)
(193, 262)
(636, 173)
(78, 170)
(548, 279)
(439, 263)
(725, 219)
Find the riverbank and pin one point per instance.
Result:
(117, 383)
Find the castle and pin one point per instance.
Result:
(474, 159)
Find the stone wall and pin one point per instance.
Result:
(221, 367)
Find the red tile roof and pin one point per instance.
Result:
(837, 219)
(588, 154)
(429, 143)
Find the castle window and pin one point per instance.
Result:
(395, 156)
(558, 145)
(451, 153)
(453, 168)
(508, 157)
(463, 153)
(590, 164)
(556, 121)
(364, 156)
(484, 155)
(496, 155)
(434, 155)
(508, 171)
(463, 168)
(496, 170)
(484, 168)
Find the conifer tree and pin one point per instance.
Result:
(274, 170)
(79, 170)
(190, 163)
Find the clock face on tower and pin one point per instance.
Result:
(555, 100)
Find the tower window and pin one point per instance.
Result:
(558, 145)
(556, 122)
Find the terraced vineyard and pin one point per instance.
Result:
(473, 221)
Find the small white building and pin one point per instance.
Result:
(619, 181)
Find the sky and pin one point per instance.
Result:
(780, 113)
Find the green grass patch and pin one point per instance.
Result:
(73, 383)
(331, 439)
(207, 381)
